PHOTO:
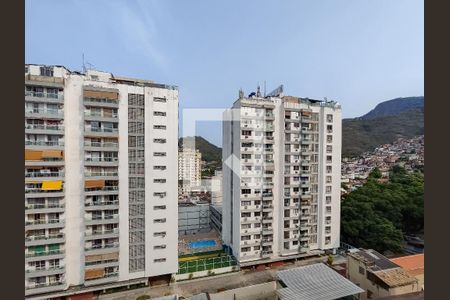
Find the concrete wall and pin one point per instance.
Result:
(253, 292)
(199, 274)
(193, 219)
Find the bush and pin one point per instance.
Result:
(143, 297)
(191, 276)
(330, 260)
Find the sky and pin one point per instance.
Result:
(356, 52)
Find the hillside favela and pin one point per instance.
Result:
(146, 177)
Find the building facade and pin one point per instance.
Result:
(189, 166)
(378, 276)
(193, 217)
(100, 179)
(281, 177)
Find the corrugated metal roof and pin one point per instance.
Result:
(315, 282)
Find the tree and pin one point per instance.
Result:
(330, 260)
(375, 173)
(377, 214)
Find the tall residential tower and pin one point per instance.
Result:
(281, 170)
(100, 179)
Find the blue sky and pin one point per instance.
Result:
(357, 52)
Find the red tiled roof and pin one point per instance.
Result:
(413, 264)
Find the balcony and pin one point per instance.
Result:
(42, 224)
(266, 253)
(101, 161)
(45, 113)
(101, 132)
(43, 240)
(39, 288)
(108, 277)
(106, 190)
(108, 146)
(105, 234)
(102, 205)
(44, 129)
(38, 272)
(44, 208)
(101, 174)
(43, 254)
(45, 143)
(108, 219)
(43, 175)
(97, 249)
(89, 115)
(44, 97)
(101, 102)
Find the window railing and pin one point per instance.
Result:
(102, 159)
(44, 253)
(101, 100)
(55, 112)
(50, 268)
(102, 203)
(44, 127)
(106, 246)
(49, 174)
(39, 190)
(43, 237)
(44, 143)
(39, 222)
(44, 95)
(41, 285)
(89, 113)
(40, 206)
(105, 188)
(93, 174)
(100, 144)
(102, 129)
(99, 262)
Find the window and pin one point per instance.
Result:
(328, 189)
(329, 169)
(46, 71)
(159, 234)
(329, 128)
(328, 209)
(159, 167)
(158, 99)
(157, 247)
(158, 260)
(160, 194)
(159, 141)
(163, 220)
(361, 270)
(328, 199)
(160, 127)
(329, 148)
(329, 118)
(329, 158)
(159, 207)
(159, 153)
(159, 180)
(246, 191)
(159, 113)
(245, 249)
(329, 138)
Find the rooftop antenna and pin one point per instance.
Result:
(258, 91)
(83, 66)
(264, 89)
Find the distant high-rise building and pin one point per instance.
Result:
(100, 179)
(281, 177)
(189, 169)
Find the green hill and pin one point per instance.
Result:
(209, 151)
(360, 135)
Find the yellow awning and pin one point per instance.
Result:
(94, 273)
(53, 153)
(94, 183)
(33, 155)
(51, 185)
(101, 94)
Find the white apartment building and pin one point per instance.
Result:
(189, 169)
(100, 179)
(281, 177)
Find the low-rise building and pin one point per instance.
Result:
(193, 217)
(414, 265)
(378, 276)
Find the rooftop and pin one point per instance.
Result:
(395, 277)
(413, 264)
(315, 282)
(374, 260)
